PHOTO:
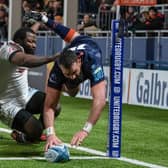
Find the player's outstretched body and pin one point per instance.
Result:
(18, 101)
(80, 60)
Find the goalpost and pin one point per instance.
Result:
(116, 75)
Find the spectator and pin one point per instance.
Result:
(39, 6)
(141, 22)
(86, 22)
(58, 18)
(5, 2)
(131, 17)
(26, 6)
(53, 8)
(3, 23)
(88, 25)
(156, 19)
(105, 14)
(162, 1)
(104, 5)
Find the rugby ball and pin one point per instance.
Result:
(57, 153)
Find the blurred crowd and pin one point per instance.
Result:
(100, 12)
(3, 19)
(92, 14)
(147, 19)
(53, 9)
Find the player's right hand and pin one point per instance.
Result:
(52, 140)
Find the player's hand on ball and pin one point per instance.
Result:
(52, 140)
(57, 153)
(78, 138)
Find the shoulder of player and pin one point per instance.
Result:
(10, 47)
(14, 45)
(81, 39)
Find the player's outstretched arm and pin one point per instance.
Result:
(51, 101)
(99, 101)
(28, 60)
(67, 34)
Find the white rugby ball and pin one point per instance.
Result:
(57, 153)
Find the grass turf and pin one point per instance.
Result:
(144, 137)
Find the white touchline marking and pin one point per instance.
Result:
(102, 155)
(5, 130)
(141, 163)
(88, 150)
(43, 158)
(136, 162)
(133, 161)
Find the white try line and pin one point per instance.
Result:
(5, 130)
(101, 155)
(43, 158)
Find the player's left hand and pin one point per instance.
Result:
(78, 138)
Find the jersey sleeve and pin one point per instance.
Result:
(56, 78)
(9, 49)
(64, 32)
(97, 74)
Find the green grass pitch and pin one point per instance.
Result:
(144, 138)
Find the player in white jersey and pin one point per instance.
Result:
(18, 102)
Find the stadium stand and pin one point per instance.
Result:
(151, 54)
(153, 43)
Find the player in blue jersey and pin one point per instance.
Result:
(80, 60)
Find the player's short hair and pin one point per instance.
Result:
(21, 34)
(67, 58)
